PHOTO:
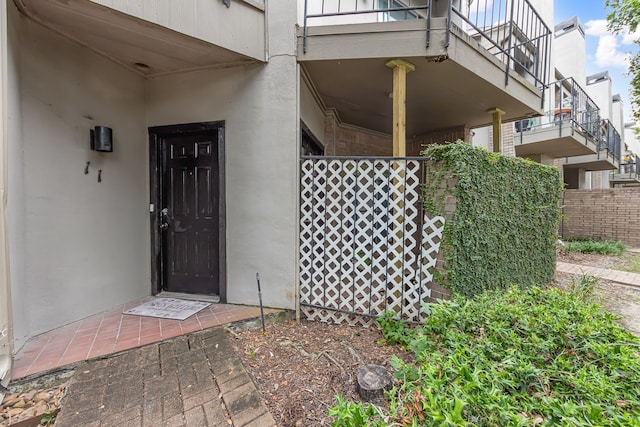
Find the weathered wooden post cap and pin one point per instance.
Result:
(373, 380)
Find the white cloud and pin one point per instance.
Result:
(631, 38)
(596, 27)
(609, 52)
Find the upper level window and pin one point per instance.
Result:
(397, 15)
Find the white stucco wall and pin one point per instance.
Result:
(617, 118)
(600, 92)
(630, 137)
(480, 138)
(86, 244)
(570, 55)
(259, 104)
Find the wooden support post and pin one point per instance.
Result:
(497, 129)
(400, 70)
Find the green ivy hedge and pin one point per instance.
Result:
(503, 229)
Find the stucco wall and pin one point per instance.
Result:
(617, 118)
(311, 112)
(85, 243)
(239, 28)
(259, 104)
(603, 214)
(600, 92)
(570, 55)
(15, 175)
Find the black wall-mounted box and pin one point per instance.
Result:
(102, 139)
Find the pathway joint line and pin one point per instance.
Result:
(618, 276)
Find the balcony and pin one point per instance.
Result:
(467, 60)
(608, 155)
(571, 125)
(155, 36)
(628, 173)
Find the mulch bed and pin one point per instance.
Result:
(301, 367)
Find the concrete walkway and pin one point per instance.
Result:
(192, 380)
(623, 277)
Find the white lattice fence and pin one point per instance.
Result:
(365, 245)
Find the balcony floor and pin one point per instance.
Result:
(624, 178)
(603, 161)
(554, 140)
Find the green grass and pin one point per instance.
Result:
(510, 358)
(605, 247)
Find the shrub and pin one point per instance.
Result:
(589, 246)
(503, 230)
(516, 358)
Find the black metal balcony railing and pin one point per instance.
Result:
(609, 139)
(511, 30)
(377, 10)
(629, 169)
(567, 107)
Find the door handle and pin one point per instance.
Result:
(164, 218)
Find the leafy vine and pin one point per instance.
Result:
(502, 218)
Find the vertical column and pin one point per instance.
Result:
(396, 225)
(6, 334)
(497, 129)
(400, 69)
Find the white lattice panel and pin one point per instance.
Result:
(379, 245)
(364, 248)
(306, 229)
(411, 241)
(362, 221)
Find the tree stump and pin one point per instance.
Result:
(372, 382)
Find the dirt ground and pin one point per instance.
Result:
(614, 297)
(300, 368)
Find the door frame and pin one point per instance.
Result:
(156, 135)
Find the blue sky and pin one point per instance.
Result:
(605, 52)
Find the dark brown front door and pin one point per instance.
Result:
(189, 210)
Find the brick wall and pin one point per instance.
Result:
(416, 144)
(612, 214)
(508, 143)
(347, 140)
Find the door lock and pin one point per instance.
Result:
(164, 213)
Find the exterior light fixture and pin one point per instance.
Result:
(101, 139)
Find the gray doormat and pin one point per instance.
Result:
(168, 308)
